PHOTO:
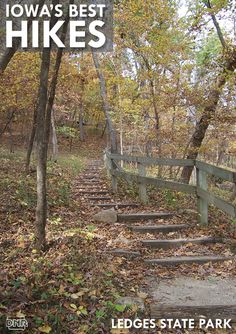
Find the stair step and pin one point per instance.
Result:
(132, 217)
(91, 183)
(167, 244)
(91, 188)
(159, 228)
(173, 261)
(93, 168)
(92, 171)
(97, 198)
(102, 192)
(97, 178)
(159, 311)
(118, 205)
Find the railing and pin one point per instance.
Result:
(204, 197)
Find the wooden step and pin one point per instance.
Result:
(173, 261)
(82, 177)
(159, 228)
(94, 168)
(97, 178)
(132, 217)
(118, 205)
(88, 189)
(90, 173)
(167, 244)
(92, 188)
(101, 192)
(99, 198)
(193, 312)
(91, 183)
(91, 177)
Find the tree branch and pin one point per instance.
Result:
(216, 24)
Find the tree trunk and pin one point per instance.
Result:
(209, 111)
(81, 113)
(54, 138)
(10, 116)
(81, 121)
(44, 115)
(81, 104)
(41, 139)
(208, 114)
(9, 52)
(11, 141)
(31, 141)
(53, 85)
(106, 106)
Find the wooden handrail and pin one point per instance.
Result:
(200, 189)
(150, 161)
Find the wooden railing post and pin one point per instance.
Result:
(113, 178)
(202, 204)
(107, 160)
(110, 165)
(142, 187)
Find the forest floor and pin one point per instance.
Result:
(74, 286)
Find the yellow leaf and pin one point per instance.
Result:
(61, 289)
(19, 314)
(73, 306)
(45, 329)
(34, 251)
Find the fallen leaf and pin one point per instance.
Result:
(19, 314)
(142, 295)
(73, 306)
(119, 331)
(61, 289)
(74, 296)
(45, 329)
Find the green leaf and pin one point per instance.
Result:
(120, 308)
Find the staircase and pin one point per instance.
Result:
(98, 195)
(161, 234)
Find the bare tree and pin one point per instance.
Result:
(202, 125)
(106, 106)
(41, 209)
(44, 116)
(54, 138)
